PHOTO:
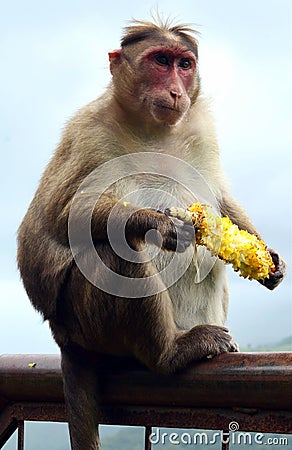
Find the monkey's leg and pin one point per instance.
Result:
(81, 391)
(142, 327)
(158, 343)
(146, 328)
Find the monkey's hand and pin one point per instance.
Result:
(176, 235)
(165, 232)
(277, 276)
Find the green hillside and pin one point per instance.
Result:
(285, 345)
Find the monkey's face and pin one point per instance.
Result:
(167, 83)
(158, 83)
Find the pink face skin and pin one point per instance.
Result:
(163, 81)
(168, 76)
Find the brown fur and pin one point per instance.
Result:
(165, 331)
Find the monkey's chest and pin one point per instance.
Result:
(196, 284)
(194, 279)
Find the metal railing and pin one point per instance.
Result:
(252, 389)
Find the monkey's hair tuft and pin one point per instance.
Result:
(140, 30)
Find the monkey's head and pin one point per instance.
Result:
(155, 74)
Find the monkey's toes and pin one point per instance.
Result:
(234, 346)
(215, 340)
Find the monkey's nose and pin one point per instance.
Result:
(175, 94)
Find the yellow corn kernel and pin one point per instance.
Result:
(247, 254)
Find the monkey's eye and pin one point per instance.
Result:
(162, 60)
(185, 63)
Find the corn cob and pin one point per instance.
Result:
(247, 254)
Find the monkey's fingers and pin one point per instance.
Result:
(180, 213)
(276, 277)
(180, 237)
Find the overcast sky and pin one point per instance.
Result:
(54, 60)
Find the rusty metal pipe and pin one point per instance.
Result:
(231, 380)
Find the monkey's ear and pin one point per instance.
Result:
(114, 59)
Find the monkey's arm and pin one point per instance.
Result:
(109, 217)
(229, 207)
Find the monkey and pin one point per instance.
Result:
(107, 295)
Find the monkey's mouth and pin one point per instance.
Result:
(169, 108)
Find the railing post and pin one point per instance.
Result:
(147, 444)
(225, 440)
(20, 441)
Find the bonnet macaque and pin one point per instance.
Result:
(122, 162)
